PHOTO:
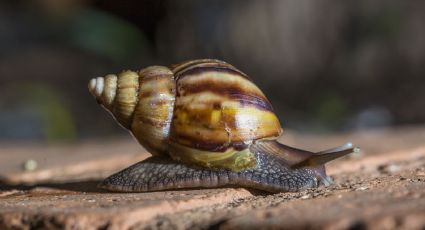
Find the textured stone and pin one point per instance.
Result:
(383, 187)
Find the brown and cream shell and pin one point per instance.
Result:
(204, 112)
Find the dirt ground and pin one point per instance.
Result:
(382, 187)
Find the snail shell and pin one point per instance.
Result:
(205, 112)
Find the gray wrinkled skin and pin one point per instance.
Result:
(161, 173)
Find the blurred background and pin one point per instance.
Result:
(326, 67)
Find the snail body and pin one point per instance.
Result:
(206, 125)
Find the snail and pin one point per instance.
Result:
(206, 125)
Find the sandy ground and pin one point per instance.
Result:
(383, 187)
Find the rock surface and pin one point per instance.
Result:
(382, 187)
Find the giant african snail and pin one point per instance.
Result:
(206, 125)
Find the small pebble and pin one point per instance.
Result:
(30, 165)
(361, 188)
(307, 196)
(389, 169)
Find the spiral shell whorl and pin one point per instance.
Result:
(142, 102)
(118, 94)
(104, 89)
(154, 110)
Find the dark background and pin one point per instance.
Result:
(326, 66)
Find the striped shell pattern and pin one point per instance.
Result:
(203, 112)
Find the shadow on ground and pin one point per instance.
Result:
(81, 186)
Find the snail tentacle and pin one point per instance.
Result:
(323, 157)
